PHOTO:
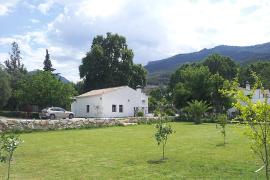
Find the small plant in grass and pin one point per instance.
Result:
(8, 144)
(222, 122)
(162, 134)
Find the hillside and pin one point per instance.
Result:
(58, 76)
(241, 54)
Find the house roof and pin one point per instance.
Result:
(100, 91)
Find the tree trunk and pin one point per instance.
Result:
(163, 148)
(266, 151)
(224, 136)
(9, 162)
(266, 160)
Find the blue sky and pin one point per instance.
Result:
(154, 29)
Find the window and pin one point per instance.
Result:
(113, 108)
(61, 109)
(56, 109)
(87, 108)
(120, 108)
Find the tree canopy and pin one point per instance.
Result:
(4, 87)
(14, 63)
(196, 82)
(109, 63)
(47, 63)
(222, 65)
(16, 71)
(190, 82)
(261, 68)
(43, 89)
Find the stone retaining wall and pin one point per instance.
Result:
(36, 125)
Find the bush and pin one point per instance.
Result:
(20, 114)
(140, 114)
(169, 112)
(184, 117)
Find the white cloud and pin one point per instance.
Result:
(158, 29)
(3, 10)
(46, 6)
(154, 29)
(35, 21)
(7, 6)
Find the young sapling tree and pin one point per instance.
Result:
(162, 134)
(222, 122)
(8, 144)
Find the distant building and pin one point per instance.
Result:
(257, 96)
(120, 101)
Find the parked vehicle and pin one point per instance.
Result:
(55, 113)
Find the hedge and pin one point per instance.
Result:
(20, 114)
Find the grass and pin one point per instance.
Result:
(193, 152)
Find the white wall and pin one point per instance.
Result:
(126, 96)
(95, 106)
(257, 96)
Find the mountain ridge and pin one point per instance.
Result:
(240, 54)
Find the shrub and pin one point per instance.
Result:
(20, 114)
(197, 109)
(169, 112)
(140, 114)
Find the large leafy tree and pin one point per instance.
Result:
(160, 101)
(222, 65)
(109, 63)
(47, 63)
(43, 89)
(14, 63)
(218, 100)
(190, 82)
(4, 87)
(17, 71)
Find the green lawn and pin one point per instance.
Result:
(193, 152)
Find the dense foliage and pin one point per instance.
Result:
(109, 63)
(159, 102)
(261, 68)
(4, 87)
(43, 89)
(17, 71)
(221, 65)
(202, 82)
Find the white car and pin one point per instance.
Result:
(55, 113)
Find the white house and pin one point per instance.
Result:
(120, 101)
(257, 96)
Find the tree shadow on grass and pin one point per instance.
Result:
(157, 161)
(221, 145)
